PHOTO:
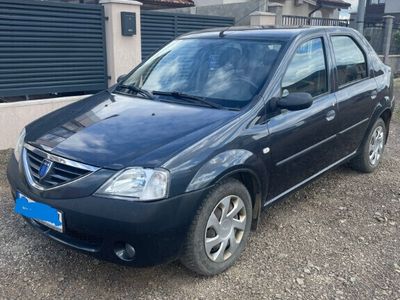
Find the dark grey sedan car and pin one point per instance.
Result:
(181, 156)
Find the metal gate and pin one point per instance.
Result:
(48, 47)
(158, 28)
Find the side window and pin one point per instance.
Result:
(350, 60)
(307, 71)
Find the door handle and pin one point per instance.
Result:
(374, 94)
(330, 115)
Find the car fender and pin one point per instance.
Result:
(231, 163)
(228, 163)
(384, 105)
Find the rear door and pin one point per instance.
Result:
(356, 90)
(303, 142)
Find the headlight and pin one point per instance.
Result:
(20, 144)
(137, 184)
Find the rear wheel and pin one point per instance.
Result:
(372, 149)
(220, 229)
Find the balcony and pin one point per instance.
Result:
(309, 21)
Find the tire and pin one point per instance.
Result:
(210, 227)
(364, 161)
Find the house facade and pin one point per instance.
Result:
(327, 9)
(303, 8)
(241, 9)
(147, 4)
(376, 9)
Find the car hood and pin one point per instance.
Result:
(115, 131)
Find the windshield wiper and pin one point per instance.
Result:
(184, 96)
(136, 90)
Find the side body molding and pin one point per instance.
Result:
(216, 166)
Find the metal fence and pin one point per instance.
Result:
(50, 47)
(158, 28)
(374, 33)
(309, 21)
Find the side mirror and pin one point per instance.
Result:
(295, 101)
(121, 78)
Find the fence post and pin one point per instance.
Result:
(260, 18)
(387, 37)
(123, 52)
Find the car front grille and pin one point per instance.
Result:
(61, 171)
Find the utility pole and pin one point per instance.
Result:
(361, 15)
(387, 37)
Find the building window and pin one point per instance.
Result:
(371, 2)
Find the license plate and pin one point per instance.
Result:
(39, 212)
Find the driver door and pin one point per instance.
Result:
(303, 142)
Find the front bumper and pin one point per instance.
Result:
(95, 225)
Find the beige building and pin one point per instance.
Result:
(313, 8)
(304, 8)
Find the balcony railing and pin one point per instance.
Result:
(309, 21)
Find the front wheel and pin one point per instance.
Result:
(220, 229)
(372, 149)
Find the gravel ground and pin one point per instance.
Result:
(336, 239)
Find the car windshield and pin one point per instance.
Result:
(227, 72)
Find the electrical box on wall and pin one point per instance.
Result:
(128, 23)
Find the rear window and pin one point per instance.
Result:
(350, 60)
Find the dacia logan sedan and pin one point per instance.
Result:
(179, 159)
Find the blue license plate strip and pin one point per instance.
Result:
(39, 212)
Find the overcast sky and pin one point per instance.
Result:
(346, 13)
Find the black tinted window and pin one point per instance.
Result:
(350, 60)
(307, 70)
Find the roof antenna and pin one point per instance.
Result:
(222, 32)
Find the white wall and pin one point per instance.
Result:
(392, 6)
(15, 116)
(291, 8)
(216, 2)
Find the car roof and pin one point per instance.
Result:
(264, 32)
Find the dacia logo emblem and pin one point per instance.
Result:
(45, 168)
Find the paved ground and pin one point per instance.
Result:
(337, 239)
